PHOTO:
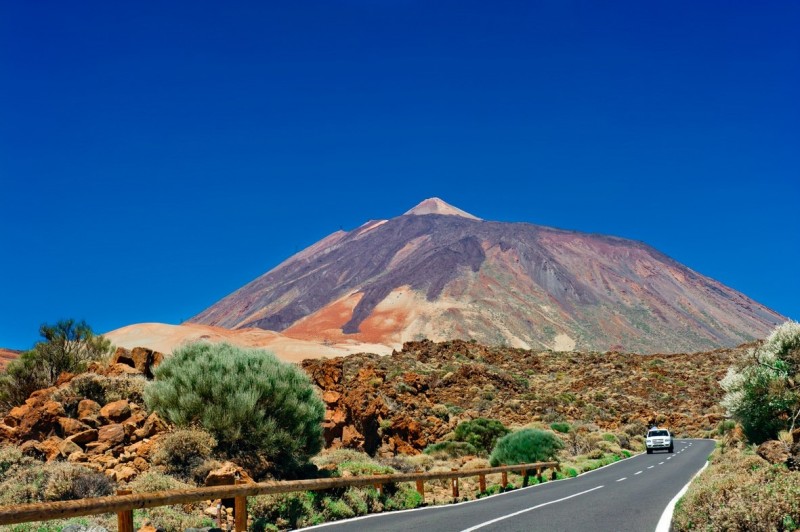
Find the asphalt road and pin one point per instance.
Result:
(628, 495)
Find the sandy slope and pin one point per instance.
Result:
(164, 338)
(6, 356)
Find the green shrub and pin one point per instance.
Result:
(246, 398)
(451, 449)
(183, 451)
(33, 481)
(10, 456)
(763, 391)
(526, 446)
(334, 508)
(151, 481)
(292, 510)
(561, 426)
(482, 433)
(404, 498)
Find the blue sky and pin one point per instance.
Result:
(155, 157)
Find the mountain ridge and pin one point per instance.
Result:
(445, 276)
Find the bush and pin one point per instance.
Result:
(183, 451)
(763, 392)
(68, 346)
(561, 426)
(246, 398)
(482, 433)
(526, 446)
(32, 481)
(451, 449)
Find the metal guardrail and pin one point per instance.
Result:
(125, 502)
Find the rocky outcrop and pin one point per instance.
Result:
(115, 438)
(402, 403)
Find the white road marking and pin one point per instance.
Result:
(638, 473)
(650, 467)
(669, 458)
(666, 518)
(486, 523)
(661, 463)
(621, 479)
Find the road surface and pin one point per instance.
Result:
(628, 495)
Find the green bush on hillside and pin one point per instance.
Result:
(526, 446)
(246, 398)
(763, 392)
(481, 433)
(451, 449)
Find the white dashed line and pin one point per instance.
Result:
(670, 458)
(623, 478)
(638, 473)
(481, 525)
(661, 463)
(650, 467)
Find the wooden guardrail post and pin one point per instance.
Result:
(524, 473)
(455, 484)
(421, 488)
(125, 517)
(240, 510)
(504, 480)
(379, 486)
(482, 483)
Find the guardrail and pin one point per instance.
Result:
(125, 502)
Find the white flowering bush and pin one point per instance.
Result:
(763, 392)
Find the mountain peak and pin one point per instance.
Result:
(438, 206)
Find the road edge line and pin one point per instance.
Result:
(666, 518)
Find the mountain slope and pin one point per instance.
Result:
(452, 275)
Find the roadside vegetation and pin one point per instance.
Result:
(753, 479)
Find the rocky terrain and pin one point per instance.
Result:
(437, 272)
(416, 396)
(385, 406)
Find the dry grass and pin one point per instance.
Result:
(740, 491)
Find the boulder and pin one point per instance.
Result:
(116, 411)
(67, 447)
(71, 426)
(51, 447)
(84, 437)
(227, 474)
(125, 473)
(152, 425)
(88, 409)
(141, 358)
(119, 370)
(111, 434)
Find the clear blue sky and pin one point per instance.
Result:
(154, 157)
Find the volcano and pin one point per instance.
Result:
(440, 273)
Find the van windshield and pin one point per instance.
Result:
(658, 433)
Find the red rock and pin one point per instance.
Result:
(88, 409)
(116, 411)
(118, 370)
(71, 426)
(152, 425)
(67, 447)
(226, 474)
(86, 436)
(125, 473)
(111, 434)
(331, 397)
(51, 447)
(64, 378)
(143, 359)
